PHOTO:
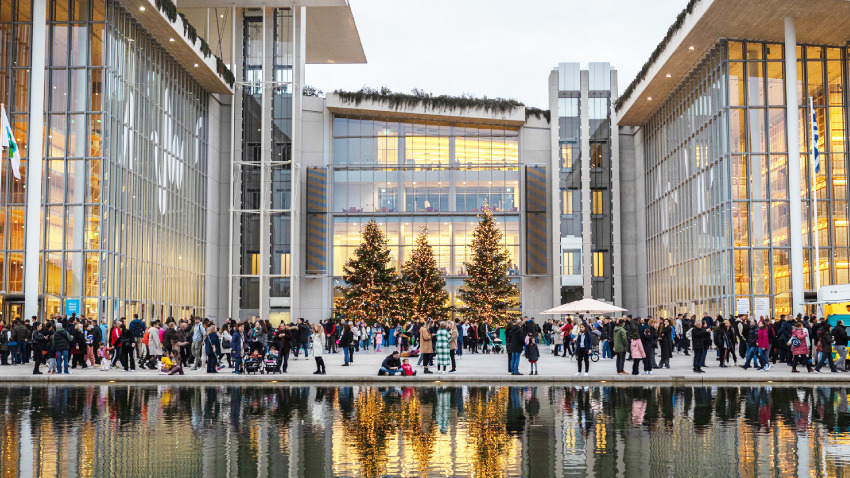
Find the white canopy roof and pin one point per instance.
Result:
(584, 306)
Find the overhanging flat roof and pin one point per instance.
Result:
(332, 35)
(190, 56)
(823, 22)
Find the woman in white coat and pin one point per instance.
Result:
(226, 338)
(318, 348)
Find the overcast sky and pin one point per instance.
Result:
(495, 48)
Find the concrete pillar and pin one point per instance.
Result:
(35, 158)
(617, 251)
(586, 237)
(298, 78)
(555, 189)
(265, 159)
(795, 209)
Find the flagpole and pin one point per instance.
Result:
(813, 163)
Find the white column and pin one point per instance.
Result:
(265, 159)
(297, 248)
(792, 128)
(555, 190)
(586, 237)
(233, 243)
(616, 243)
(35, 157)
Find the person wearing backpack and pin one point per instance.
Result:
(62, 344)
(798, 345)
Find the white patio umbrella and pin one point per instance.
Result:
(584, 306)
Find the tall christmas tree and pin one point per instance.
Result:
(370, 281)
(422, 290)
(487, 291)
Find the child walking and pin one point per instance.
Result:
(104, 358)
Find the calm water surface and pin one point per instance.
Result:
(212, 431)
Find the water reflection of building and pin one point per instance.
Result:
(368, 431)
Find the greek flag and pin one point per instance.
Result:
(7, 140)
(814, 136)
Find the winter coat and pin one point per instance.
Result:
(62, 340)
(583, 341)
(154, 345)
(517, 343)
(303, 333)
(764, 338)
(454, 335)
(839, 335)
(347, 339)
(319, 343)
(19, 333)
(442, 347)
(666, 342)
(532, 353)
(637, 349)
(425, 345)
(621, 342)
(236, 344)
(225, 335)
(803, 335)
(825, 339)
(4, 340)
(698, 338)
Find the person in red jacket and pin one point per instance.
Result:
(115, 340)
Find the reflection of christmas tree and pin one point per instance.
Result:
(369, 431)
(418, 427)
(370, 280)
(487, 291)
(422, 290)
(488, 439)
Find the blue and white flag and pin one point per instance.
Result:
(815, 138)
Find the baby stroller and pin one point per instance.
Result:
(271, 363)
(252, 364)
(497, 346)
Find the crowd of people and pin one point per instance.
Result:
(65, 343)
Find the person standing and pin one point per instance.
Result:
(226, 344)
(62, 344)
(5, 350)
(621, 346)
(442, 348)
(665, 339)
(38, 345)
(197, 343)
(584, 344)
(318, 341)
(236, 345)
(154, 346)
(345, 342)
(137, 328)
(212, 348)
(839, 336)
(452, 344)
(426, 347)
(699, 337)
(637, 351)
(516, 347)
(128, 343)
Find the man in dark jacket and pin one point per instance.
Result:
(391, 364)
(330, 336)
(303, 337)
(62, 344)
(699, 337)
(839, 336)
(137, 328)
(515, 347)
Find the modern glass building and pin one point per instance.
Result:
(721, 160)
(126, 205)
(411, 170)
(588, 199)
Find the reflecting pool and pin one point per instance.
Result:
(238, 431)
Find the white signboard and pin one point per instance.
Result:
(762, 307)
(742, 306)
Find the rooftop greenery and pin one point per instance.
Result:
(419, 97)
(675, 27)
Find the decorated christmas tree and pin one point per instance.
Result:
(422, 290)
(487, 292)
(370, 281)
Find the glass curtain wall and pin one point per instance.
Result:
(410, 175)
(152, 227)
(601, 222)
(688, 195)
(263, 171)
(15, 41)
(745, 193)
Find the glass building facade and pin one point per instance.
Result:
(410, 174)
(124, 169)
(717, 183)
(262, 170)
